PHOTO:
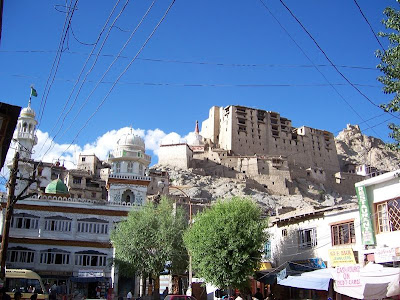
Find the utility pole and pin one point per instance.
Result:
(8, 215)
(11, 200)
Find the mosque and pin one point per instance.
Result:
(63, 233)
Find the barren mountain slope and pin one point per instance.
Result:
(354, 147)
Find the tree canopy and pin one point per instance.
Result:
(226, 242)
(390, 66)
(150, 238)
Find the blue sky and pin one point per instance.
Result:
(204, 53)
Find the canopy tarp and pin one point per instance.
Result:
(314, 280)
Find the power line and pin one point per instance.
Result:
(121, 74)
(255, 85)
(110, 66)
(56, 63)
(330, 61)
(369, 24)
(82, 70)
(310, 60)
(177, 61)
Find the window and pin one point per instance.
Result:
(83, 158)
(130, 167)
(93, 194)
(24, 221)
(307, 238)
(77, 180)
(140, 169)
(267, 249)
(343, 233)
(20, 255)
(118, 167)
(284, 232)
(54, 257)
(388, 215)
(57, 224)
(93, 226)
(90, 258)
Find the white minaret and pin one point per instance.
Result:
(25, 138)
(128, 180)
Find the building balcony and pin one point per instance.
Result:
(130, 177)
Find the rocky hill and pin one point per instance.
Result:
(352, 147)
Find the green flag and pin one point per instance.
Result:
(33, 92)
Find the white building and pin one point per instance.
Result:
(307, 237)
(379, 201)
(64, 233)
(129, 178)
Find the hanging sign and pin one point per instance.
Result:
(341, 256)
(367, 229)
(383, 255)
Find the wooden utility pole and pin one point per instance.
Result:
(11, 200)
(9, 211)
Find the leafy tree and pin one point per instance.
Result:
(226, 242)
(149, 238)
(390, 66)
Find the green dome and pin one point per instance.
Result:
(56, 187)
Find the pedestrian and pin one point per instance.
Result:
(258, 295)
(34, 297)
(4, 295)
(17, 296)
(129, 296)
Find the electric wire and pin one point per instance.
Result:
(332, 64)
(177, 61)
(56, 64)
(82, 70)
(369, 24)
(310, 60)
(110, 66)
(120, 76)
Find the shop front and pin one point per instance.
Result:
(90, 284)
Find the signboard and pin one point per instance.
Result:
(341, 256)
(307, 264)
(281, 275)
(90, 273)
(384, 255)
(367, 229)
(347, 276)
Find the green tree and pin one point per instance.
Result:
(149, 239)
(390, 66)
(226, 241)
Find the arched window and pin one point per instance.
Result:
(30, 128)
(118, 167)
(24, 127)
(130, 167)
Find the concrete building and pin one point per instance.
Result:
(63, 233)
(309, 236)
(379, 203)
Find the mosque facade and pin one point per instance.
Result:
(63, 233)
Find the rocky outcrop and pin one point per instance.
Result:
(356, 148)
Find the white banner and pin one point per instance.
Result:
(347, 276)
(384, 255)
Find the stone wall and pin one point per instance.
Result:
(175, 155)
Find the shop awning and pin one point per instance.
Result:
(315, 280)
(88, 279)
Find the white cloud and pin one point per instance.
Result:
(48, 151)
